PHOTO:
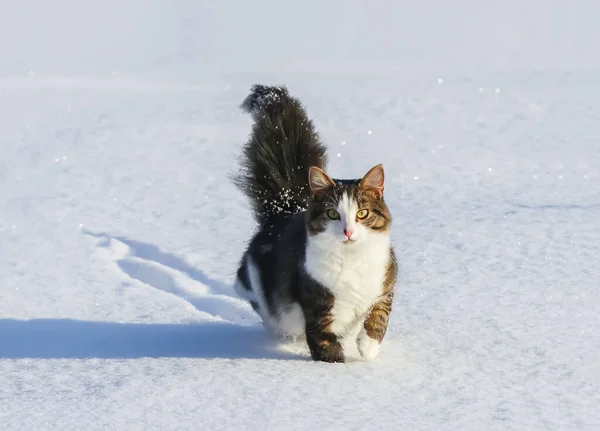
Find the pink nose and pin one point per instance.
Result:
(348, 233)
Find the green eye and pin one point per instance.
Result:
(362, 214)
(333, 214)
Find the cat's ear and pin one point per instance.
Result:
(373, 180)
(318, 180)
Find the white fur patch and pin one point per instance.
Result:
(347, 209)
(353, 272)
(259, 296)
(291, 321)
(242, 292)
(367, 347)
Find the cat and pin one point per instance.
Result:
(321, 262)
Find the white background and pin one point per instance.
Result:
(120, 232)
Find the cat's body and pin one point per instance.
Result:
(322, 261)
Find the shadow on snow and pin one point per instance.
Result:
(66, 338)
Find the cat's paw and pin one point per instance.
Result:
(367, 347)
(337, 358)
(328, 353)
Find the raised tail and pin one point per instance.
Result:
(281, 149)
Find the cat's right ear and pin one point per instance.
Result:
(319, 181)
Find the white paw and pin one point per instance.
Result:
(367, 347)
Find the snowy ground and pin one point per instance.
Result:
(120, 231)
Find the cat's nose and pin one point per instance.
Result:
(348, 233)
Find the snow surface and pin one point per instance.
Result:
(120, 232)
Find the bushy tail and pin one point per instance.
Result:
(281, 149)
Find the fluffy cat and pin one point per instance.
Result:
(322, 261)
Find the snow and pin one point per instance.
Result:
(120, 231)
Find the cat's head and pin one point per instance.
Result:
(347, 212)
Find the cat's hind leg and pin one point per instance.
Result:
(243, 287)
(249, 286)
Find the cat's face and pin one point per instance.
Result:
(347, 212)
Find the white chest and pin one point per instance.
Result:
(354, 277)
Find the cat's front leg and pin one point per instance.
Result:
(317, 305)
(324, 346)
(374, 328)
(323, 343)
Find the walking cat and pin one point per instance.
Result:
(322, 260)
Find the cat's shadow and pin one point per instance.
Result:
(166, 272)
(66, 338)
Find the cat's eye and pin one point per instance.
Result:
(362, 214)
(333, 214)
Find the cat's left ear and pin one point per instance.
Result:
(373, 180)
